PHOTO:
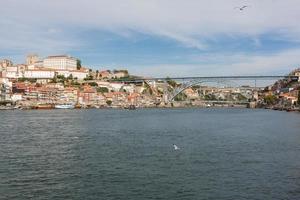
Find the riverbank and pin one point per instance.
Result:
(52, 107)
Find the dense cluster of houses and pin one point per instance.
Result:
(62, 80)
(283, 93)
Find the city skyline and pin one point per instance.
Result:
(157, 38)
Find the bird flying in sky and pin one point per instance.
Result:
(242, 8)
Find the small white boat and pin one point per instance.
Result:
(64, 106)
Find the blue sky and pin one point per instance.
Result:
(157, 37)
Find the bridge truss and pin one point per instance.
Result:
(187, 82)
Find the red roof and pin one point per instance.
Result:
(20, 85)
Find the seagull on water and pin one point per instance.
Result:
(175, 147)
(241, 8)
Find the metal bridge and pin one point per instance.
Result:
(188, 78)
(187, 82)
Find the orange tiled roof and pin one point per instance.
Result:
(89, 90)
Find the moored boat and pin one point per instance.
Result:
(132, 107)
(64, 106)
(44, 106)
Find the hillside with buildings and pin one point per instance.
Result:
(62, 80)
(56, 80)
(283, 94)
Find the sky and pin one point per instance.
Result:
(157, 37)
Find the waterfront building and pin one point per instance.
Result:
(46, 94)
(119, 99)
(68, 95)
(5, 92)
(101, 100)
(17, 97)
(288, 99)
(88, 96)
(133, 98)
(61, 62)
(19, 87)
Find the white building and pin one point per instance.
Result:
(16, 97)
(79, 74)
(297, 73)
(62, 62)
(116, 86)
(4, 79)
(41, 73)
(12, 72)
(129, 88)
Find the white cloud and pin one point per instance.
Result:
(184, 21)
(43, 26)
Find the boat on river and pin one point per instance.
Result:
(44, 106)
(130, 107)
(64, 106)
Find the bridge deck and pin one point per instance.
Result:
(265, 77)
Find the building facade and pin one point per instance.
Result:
(32, 59)
(62, 62)
(42, 73)
(5, 63)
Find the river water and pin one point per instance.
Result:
(122, 154)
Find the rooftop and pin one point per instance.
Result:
(61, 56)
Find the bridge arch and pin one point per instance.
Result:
(193, 83)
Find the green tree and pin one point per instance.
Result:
(53, 80)
(97, 74)
(61, 77)
(93, 84)
(88, 78)
(78, 64)
(270, 99)
(75, 83)
(31, 80)
(109, 102)
(70, 77)
(102, 89)
(171, 82)
(180, 97)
